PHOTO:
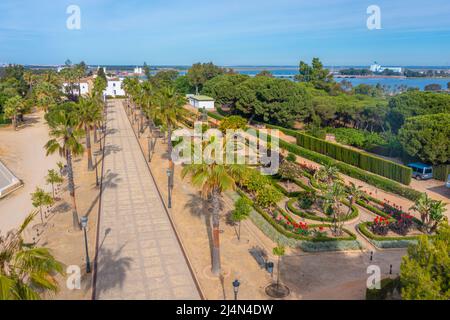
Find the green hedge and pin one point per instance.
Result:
(441, 172)
(356, 158)
(214, 115)
(357, 173)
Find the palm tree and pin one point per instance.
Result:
(52, 178)
(431, 212)
(355, 193)
(89, 114)
(46, 95)
(26, 271)
(63, 124)
(40, 198)
(213, 179)
(13, 108)
(168, 109)
(327, 175)
(279, 251)
(334, 195)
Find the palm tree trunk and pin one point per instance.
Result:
(71, 183)
(239, 232)
(89, 148)
(14, 120)
(278, 272)
(216, 268)
(95, 134)
(53, 190)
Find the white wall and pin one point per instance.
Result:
(84, 87)
(114, 88)
(201, 104)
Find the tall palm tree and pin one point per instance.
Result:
(213, 179)
(25, 270)
(89, 114)
(431, 212)
(63, 123)
(355, 193)
(13, 108)
(168, 109)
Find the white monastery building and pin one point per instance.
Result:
(378, 68)
(114, 88)
(200, 102)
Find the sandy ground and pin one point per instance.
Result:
(23, 153)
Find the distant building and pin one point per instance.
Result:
(114, 87)
(85, 86)
(201, 102)
(378, 68)
(138, 70)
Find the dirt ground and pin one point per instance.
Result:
(22, 151)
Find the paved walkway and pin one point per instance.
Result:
(139, 256)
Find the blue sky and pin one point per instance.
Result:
(227, 32)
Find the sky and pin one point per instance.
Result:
(226, 32)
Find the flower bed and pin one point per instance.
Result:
(289, 228)
(386, 241)
(304, 214)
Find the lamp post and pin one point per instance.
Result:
(236, 285)
(84, 221)
(169, 174)
(96, 171)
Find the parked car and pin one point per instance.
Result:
(447, 184)
(421, 171)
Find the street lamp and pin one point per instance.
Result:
(236, 285)
(169, 174)
(96, 171)
(84, 221)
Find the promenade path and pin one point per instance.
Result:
(139, 256)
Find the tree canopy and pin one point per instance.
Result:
(427, 137)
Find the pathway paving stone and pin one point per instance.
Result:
(139, 256)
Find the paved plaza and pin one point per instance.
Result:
(139, 256)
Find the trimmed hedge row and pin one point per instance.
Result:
(356, 158)
(441, 172)
(357, 173)
(353, 157)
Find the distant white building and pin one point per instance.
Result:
(114, 88)
(138, 70)
(201, 102)
(85, 87)
(378, 68)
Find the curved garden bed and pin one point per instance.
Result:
(385, 242)
(281, 231)
(304, 214)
